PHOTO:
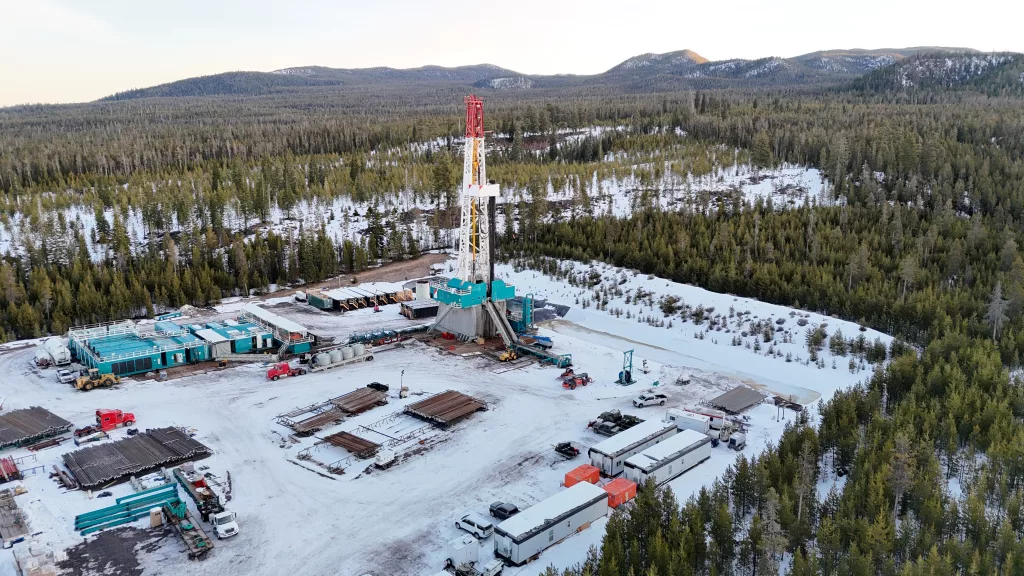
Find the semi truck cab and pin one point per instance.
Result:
(225, 524)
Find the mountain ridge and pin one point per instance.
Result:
(650, 71)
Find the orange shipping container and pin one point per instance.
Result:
(620, 491)
(584, 473)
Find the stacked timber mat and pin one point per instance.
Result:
(20, 427)
(117, 461)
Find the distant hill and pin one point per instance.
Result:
(994, 74)
(290, 79)
(647, 72)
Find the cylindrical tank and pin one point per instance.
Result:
(346, 353)
(322, 359)
(358, 349)
(422, 290)
(335, 356)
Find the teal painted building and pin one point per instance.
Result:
(120, 348)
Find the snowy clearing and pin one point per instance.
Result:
(295, 517)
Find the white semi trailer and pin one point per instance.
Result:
(689, 420)
(669, 459)
(524, 536)
(609, 456)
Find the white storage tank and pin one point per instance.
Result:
(335, 356)
(322, 359)
(422, 290)
(358, 349)
(347, 353)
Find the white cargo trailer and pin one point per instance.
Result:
(670, 458)
(524, 536)
(717, 416)
(688, 420)
(610, 455)
(58, 353)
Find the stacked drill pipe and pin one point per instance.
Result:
(117, 461)
(446, 408)
(19, 427)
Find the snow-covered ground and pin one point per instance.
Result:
(344, 218)
(297, 518)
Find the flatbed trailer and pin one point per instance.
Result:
(197, 543)
(366, 356)
(207, 501)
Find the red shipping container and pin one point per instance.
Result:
(584, 473)
(620, 491)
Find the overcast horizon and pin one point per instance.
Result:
(64, 52)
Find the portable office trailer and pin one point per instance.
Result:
(610, 456)
(689, 420)
(670, 458)
(524, 536)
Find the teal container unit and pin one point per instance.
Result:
(242, 345)
(501, 291)
(300, 347)
(320, 300)
(461, 294)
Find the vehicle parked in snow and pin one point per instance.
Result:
(650, 399)
(476, 525)
(283, 370)
(738, 441)
(504, 510)
(225, 524)
(65, 376)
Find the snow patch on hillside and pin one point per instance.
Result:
(514, 83)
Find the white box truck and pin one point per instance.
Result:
(524, 536)
(610, 455)
(689, 420)
(669, 459)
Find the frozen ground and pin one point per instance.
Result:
(296, 518)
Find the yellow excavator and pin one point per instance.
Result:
(96, 380)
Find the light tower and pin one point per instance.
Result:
(475, 257)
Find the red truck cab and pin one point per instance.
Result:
(108, 418)
(283, 370)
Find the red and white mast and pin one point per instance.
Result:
(474, 233)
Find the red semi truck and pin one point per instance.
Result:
(283, 370)
(108, 419)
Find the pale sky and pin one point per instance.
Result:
(80, 50)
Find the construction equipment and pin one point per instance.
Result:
(612, 422)
(109, 418)
(96, 380)
(565, 374)
(283, 370)
(626, 374)
(567, 449)
(571, 382)
(508, 355)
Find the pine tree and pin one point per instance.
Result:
(996, 315)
